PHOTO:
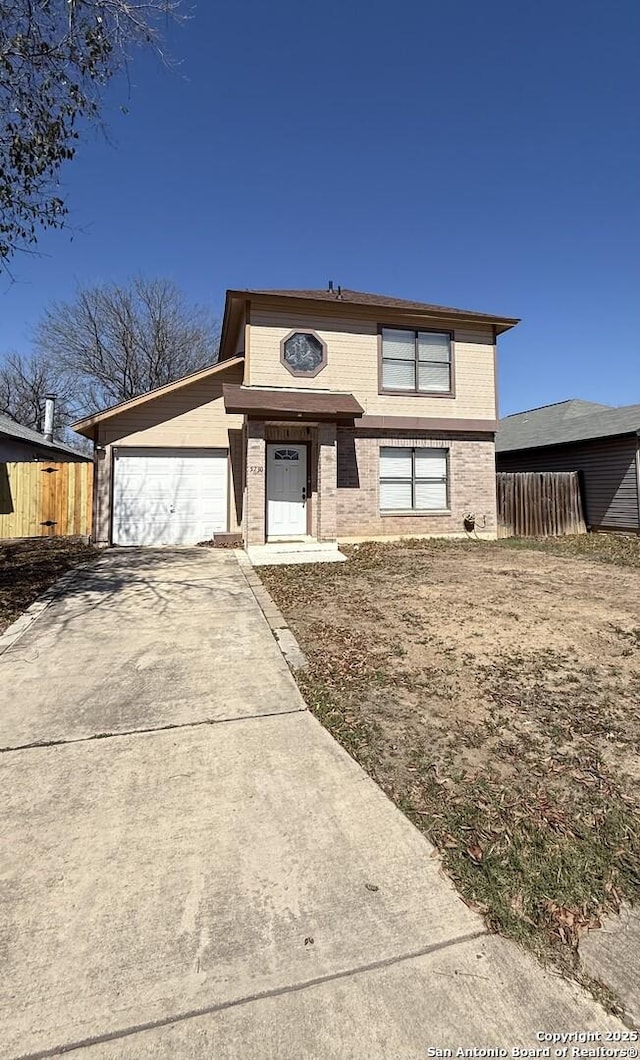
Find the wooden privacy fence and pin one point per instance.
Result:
(41, 499)
(539, 504)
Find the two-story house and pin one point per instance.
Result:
(330, 415)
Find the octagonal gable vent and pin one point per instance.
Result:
(303, 353)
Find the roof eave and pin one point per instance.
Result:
(288, 416)
(302, 405)
(501, 324)
(229, 298)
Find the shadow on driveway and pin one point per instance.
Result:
(143, 639)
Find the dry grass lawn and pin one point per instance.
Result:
(493, 691)
(30, 566)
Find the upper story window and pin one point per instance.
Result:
(416, 362)
(303, 353)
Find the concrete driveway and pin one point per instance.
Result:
(192, 867)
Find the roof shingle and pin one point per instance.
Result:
(288, 402)
(10, 429)
(345, 295)
(565, 422)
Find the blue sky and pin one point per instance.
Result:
(482, 155)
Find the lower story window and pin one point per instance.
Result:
(413, 479)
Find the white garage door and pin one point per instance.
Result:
(169, 496)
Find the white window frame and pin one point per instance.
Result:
(416, 479)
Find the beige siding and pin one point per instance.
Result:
(191, 416)
(352, 348)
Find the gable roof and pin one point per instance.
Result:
(565, 422)
(359, 301)
(86, 425)
(390, 301)
(10, 429)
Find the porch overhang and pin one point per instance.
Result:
(291, 404)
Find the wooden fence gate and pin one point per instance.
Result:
(41, 499)
(539, 504)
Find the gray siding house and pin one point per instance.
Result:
(602, 443)
(18, 443)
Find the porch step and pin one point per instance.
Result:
(302, 544)
(281, 553)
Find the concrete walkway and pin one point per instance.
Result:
(192, 867)
(612, 956)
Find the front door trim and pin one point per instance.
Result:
(304, 444)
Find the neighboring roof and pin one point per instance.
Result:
(289, 403)
(85, 425)
(565, 422)
(10, 429)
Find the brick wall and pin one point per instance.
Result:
(254, 516)
(471, 485)
(101, 534)
(327, 474)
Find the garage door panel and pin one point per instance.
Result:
(169, 497)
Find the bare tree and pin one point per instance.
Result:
(55, 58)
(25, 382)
(115, 342)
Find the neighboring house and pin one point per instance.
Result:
(18, 443)
(599, 441)
(330, 414)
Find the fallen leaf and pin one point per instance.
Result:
(474, 850)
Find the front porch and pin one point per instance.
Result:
(290, 491)
(283, 553)
(290, 471)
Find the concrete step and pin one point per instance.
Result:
(264, 555)
(303, 544)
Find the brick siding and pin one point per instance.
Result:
(254, 528)
(471, 485)
(327, 475)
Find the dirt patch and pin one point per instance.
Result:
(30, 566)
(494, 693)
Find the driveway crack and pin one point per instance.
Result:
(205, 1010)
(37, 745)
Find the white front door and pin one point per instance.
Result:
(286, 490)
